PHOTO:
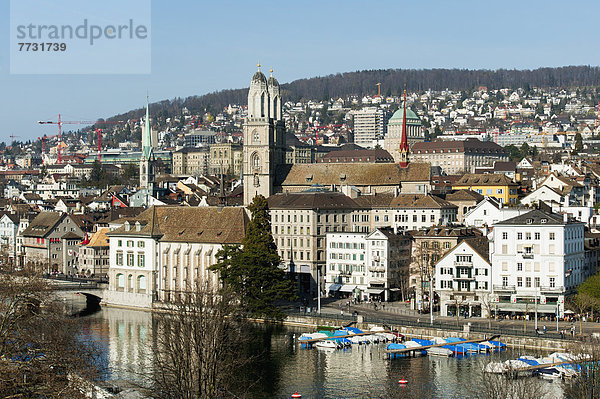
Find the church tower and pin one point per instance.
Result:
(264, 137)
(404, 148)
(147, 158)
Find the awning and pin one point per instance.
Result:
(376, 291)
(335, 287)
(347, 288)
(394, 289)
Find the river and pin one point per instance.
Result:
(124, 338)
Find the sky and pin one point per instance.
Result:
(202, 46)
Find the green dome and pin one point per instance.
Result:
(397, 117)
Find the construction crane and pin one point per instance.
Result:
(60, 122)
(43, 140)
(378, 89)
(12, 139)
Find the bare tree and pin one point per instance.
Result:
(198, 345)
(507, 386)
(586, 383)
(487, 303)
(40, 353)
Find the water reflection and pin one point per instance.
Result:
(279, 367)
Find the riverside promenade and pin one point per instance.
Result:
(400, 314)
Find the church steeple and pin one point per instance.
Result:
(147, 157)
(404, 148)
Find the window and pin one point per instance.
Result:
(504, 281)
(130, 243)
(120, 280)
(528, 236)
(505, 235)
(519, 281)
(537, 282)
(130, 259)
(519, 267)
(423, 218)
(119, 259)
(141, 260)
(120, 243)
(552, 282)
(528, 282)
(499, 191)
(141, 244)
(537, 236)
(141, 282)
(519, 236)
(552, 235)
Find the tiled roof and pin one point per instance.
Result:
(484, 180)
(99, 238)
(312, 200)
(464, 195)
(43, 224)
(381, 200)
(186, 224)
(535, 217)
(469, 145)
(378, 174)
(420, 201)
(481, 245)
(446, 231)
(345, 156)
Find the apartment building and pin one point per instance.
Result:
(456, 157)
(370, 124)
(300, 223)
(367, 266)
(463, 279)
(191, 161)
(537, 257)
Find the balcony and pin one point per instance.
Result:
(464, 277)
(463, 264)
(552, 289)
(376, 268)
(504, 288)
(527, 255)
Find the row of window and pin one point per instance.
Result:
(334, 255)
(131, 243)
(347, 245)
(141, 259)
(282, 230)
(536, 282)
(302, 218)
(536, 235)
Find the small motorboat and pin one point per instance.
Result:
(326, 345)
(550, 373)
(440, 351)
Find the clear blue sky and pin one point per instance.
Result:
(202, 46)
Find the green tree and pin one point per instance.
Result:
(578, 142)
(97, 175)
(252, 270)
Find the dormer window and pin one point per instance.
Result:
(544, 221)
(127, 226)
(529, 221)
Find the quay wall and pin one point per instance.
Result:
(514, 341)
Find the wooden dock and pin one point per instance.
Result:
(425, 347)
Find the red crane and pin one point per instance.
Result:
(43, 139)
(60, 122)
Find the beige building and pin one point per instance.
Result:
(456, 157)
(225, 158)
(300, 222)
(369, 126)
(191, 162)
(93, 255)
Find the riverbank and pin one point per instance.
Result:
(542, 343)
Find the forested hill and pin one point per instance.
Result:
(392, 81)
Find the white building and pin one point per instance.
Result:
(491, 211)
(369, 125)
(367, 265)
(463, 279)
(167, 250)
(415, 212)
(9, 225)
(536, 255)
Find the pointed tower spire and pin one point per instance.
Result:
(404, 139)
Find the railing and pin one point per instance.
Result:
(479, 326)
(552, 289)
(504, 287)
(463, 264)
(464, 277)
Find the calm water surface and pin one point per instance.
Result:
(124, 337)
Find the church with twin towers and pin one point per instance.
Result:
(265, 171)
(264, 137)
